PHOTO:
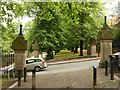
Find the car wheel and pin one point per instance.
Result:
(37, 68)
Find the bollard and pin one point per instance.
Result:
(112, 71)
(33, 80)
(117, 63)
(106, 68)
(19, 77)
(111, 59)
(94, 76)
(25, 71)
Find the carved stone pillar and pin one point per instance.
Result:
(19, 45)
(106, 37)
(35, 48)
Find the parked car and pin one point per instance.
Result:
(117, 53)
(36, 64)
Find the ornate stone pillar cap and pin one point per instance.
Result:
(105, 26)
(19, 43)
(105, 33)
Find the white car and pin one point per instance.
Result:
(35, 64)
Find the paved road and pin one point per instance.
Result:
(71, 75)
(69, 67)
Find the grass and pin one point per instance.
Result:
(67, 54)
(5, 83)
(4, 79)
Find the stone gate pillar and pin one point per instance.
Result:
(93, 48)
(35, 48)
(106, 37)
(19, 45)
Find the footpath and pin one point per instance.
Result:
(69, 80)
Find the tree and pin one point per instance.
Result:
(9, 11)
(47, 28)
(81, 15)
(56, 25)
(59, 25)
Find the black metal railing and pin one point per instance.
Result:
(7, 68)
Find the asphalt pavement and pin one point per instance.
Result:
(80, 78)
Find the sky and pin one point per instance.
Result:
(24, 20)
(111, 4)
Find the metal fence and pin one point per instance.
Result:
(7, 60)
(7, 68)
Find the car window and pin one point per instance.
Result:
(38, 60)
(30, 61)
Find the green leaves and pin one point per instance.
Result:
(9, 12)
(61, 24)
(56, 25)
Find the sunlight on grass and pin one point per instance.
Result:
(67, 54)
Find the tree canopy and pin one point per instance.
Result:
(60, 25)
(9, 12)
(56, 25)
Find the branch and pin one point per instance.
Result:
(38, 5)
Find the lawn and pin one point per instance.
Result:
(67, 54)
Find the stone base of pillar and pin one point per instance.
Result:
(101, 64)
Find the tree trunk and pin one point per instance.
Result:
(55, 52)
(72, 49)
(81, 47)
(49, 54)
(76, 48)
(68, 48)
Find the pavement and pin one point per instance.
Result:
(73, 60)
(75, 79)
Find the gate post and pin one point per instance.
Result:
(105, 37)
(93, 47)
(35, 48)
(19, 45)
